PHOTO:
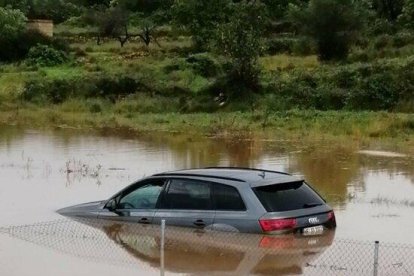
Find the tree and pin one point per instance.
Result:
(114, 23)
(12, 23)
(56, 10)
(241, 40)
(333, 24)
(90, 3)
(200, 18)
(22, 5)
(407, 16)
(145, 6)
(389, 9)
(147, 32)
(277, 9)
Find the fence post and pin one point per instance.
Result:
(376, 254)
(162, 246)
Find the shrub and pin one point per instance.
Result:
(382, 41)
(204, 65)
(407, 16)
(241, 41)
(333, 24)
(18, 48)
(114, 88)
(378, 92)
(303, 47)
(200, 18)
(12, 22)
(280, 45)
(55, 91)
(43, 55)
(379, 86)
(402, 39)
(58, 90)
(56, 10)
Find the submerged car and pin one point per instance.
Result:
(216, 198)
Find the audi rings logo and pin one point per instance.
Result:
(313, 220)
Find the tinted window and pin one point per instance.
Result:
(144, 197)
(227, 198)
(188, 194)
(286, 197)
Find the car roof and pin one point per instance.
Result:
(254, 177)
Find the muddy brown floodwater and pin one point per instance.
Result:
(370, 188)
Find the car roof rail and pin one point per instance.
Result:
(250, 169)
(200, 175)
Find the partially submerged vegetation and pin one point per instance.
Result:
(186, 66)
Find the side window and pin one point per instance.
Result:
(188, 194)
(227, 198)
(144, 197)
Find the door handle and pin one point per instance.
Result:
(199, 223)
(144, 221)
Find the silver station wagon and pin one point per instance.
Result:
(225, 199)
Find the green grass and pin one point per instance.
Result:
(62, 72)
(293, 124)
(283, 61)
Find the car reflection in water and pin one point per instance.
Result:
(197, 252)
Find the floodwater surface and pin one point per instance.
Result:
(371, 190)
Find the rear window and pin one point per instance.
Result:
(287, 197)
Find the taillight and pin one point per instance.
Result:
(277, 242)
(269, 225)
(331, 218)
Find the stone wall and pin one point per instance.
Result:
(43, 26)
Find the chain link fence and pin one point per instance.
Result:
(189, 251)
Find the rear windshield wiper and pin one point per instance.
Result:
(312, 204)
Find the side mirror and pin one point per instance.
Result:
(111, 205)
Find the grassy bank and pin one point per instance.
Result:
(294, 124)
(172, 87)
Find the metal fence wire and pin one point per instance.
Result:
(184, 250)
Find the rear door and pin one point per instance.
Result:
(138, 203)
(231, 211)
(186, 202)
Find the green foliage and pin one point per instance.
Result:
(146, 6)
(379, 86)
(276, 9)
(44, 55)
(379, 91)
(241, 40)
(111, 88)
(204, 65)
(200, 18)
(116, 87)
(389, 9)
(280, 45)
(333, 24)
(403, 38)
(111, 23)
(90, 3)
(43, 92)
(12, 22)
(56, 10)
(407, 16)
